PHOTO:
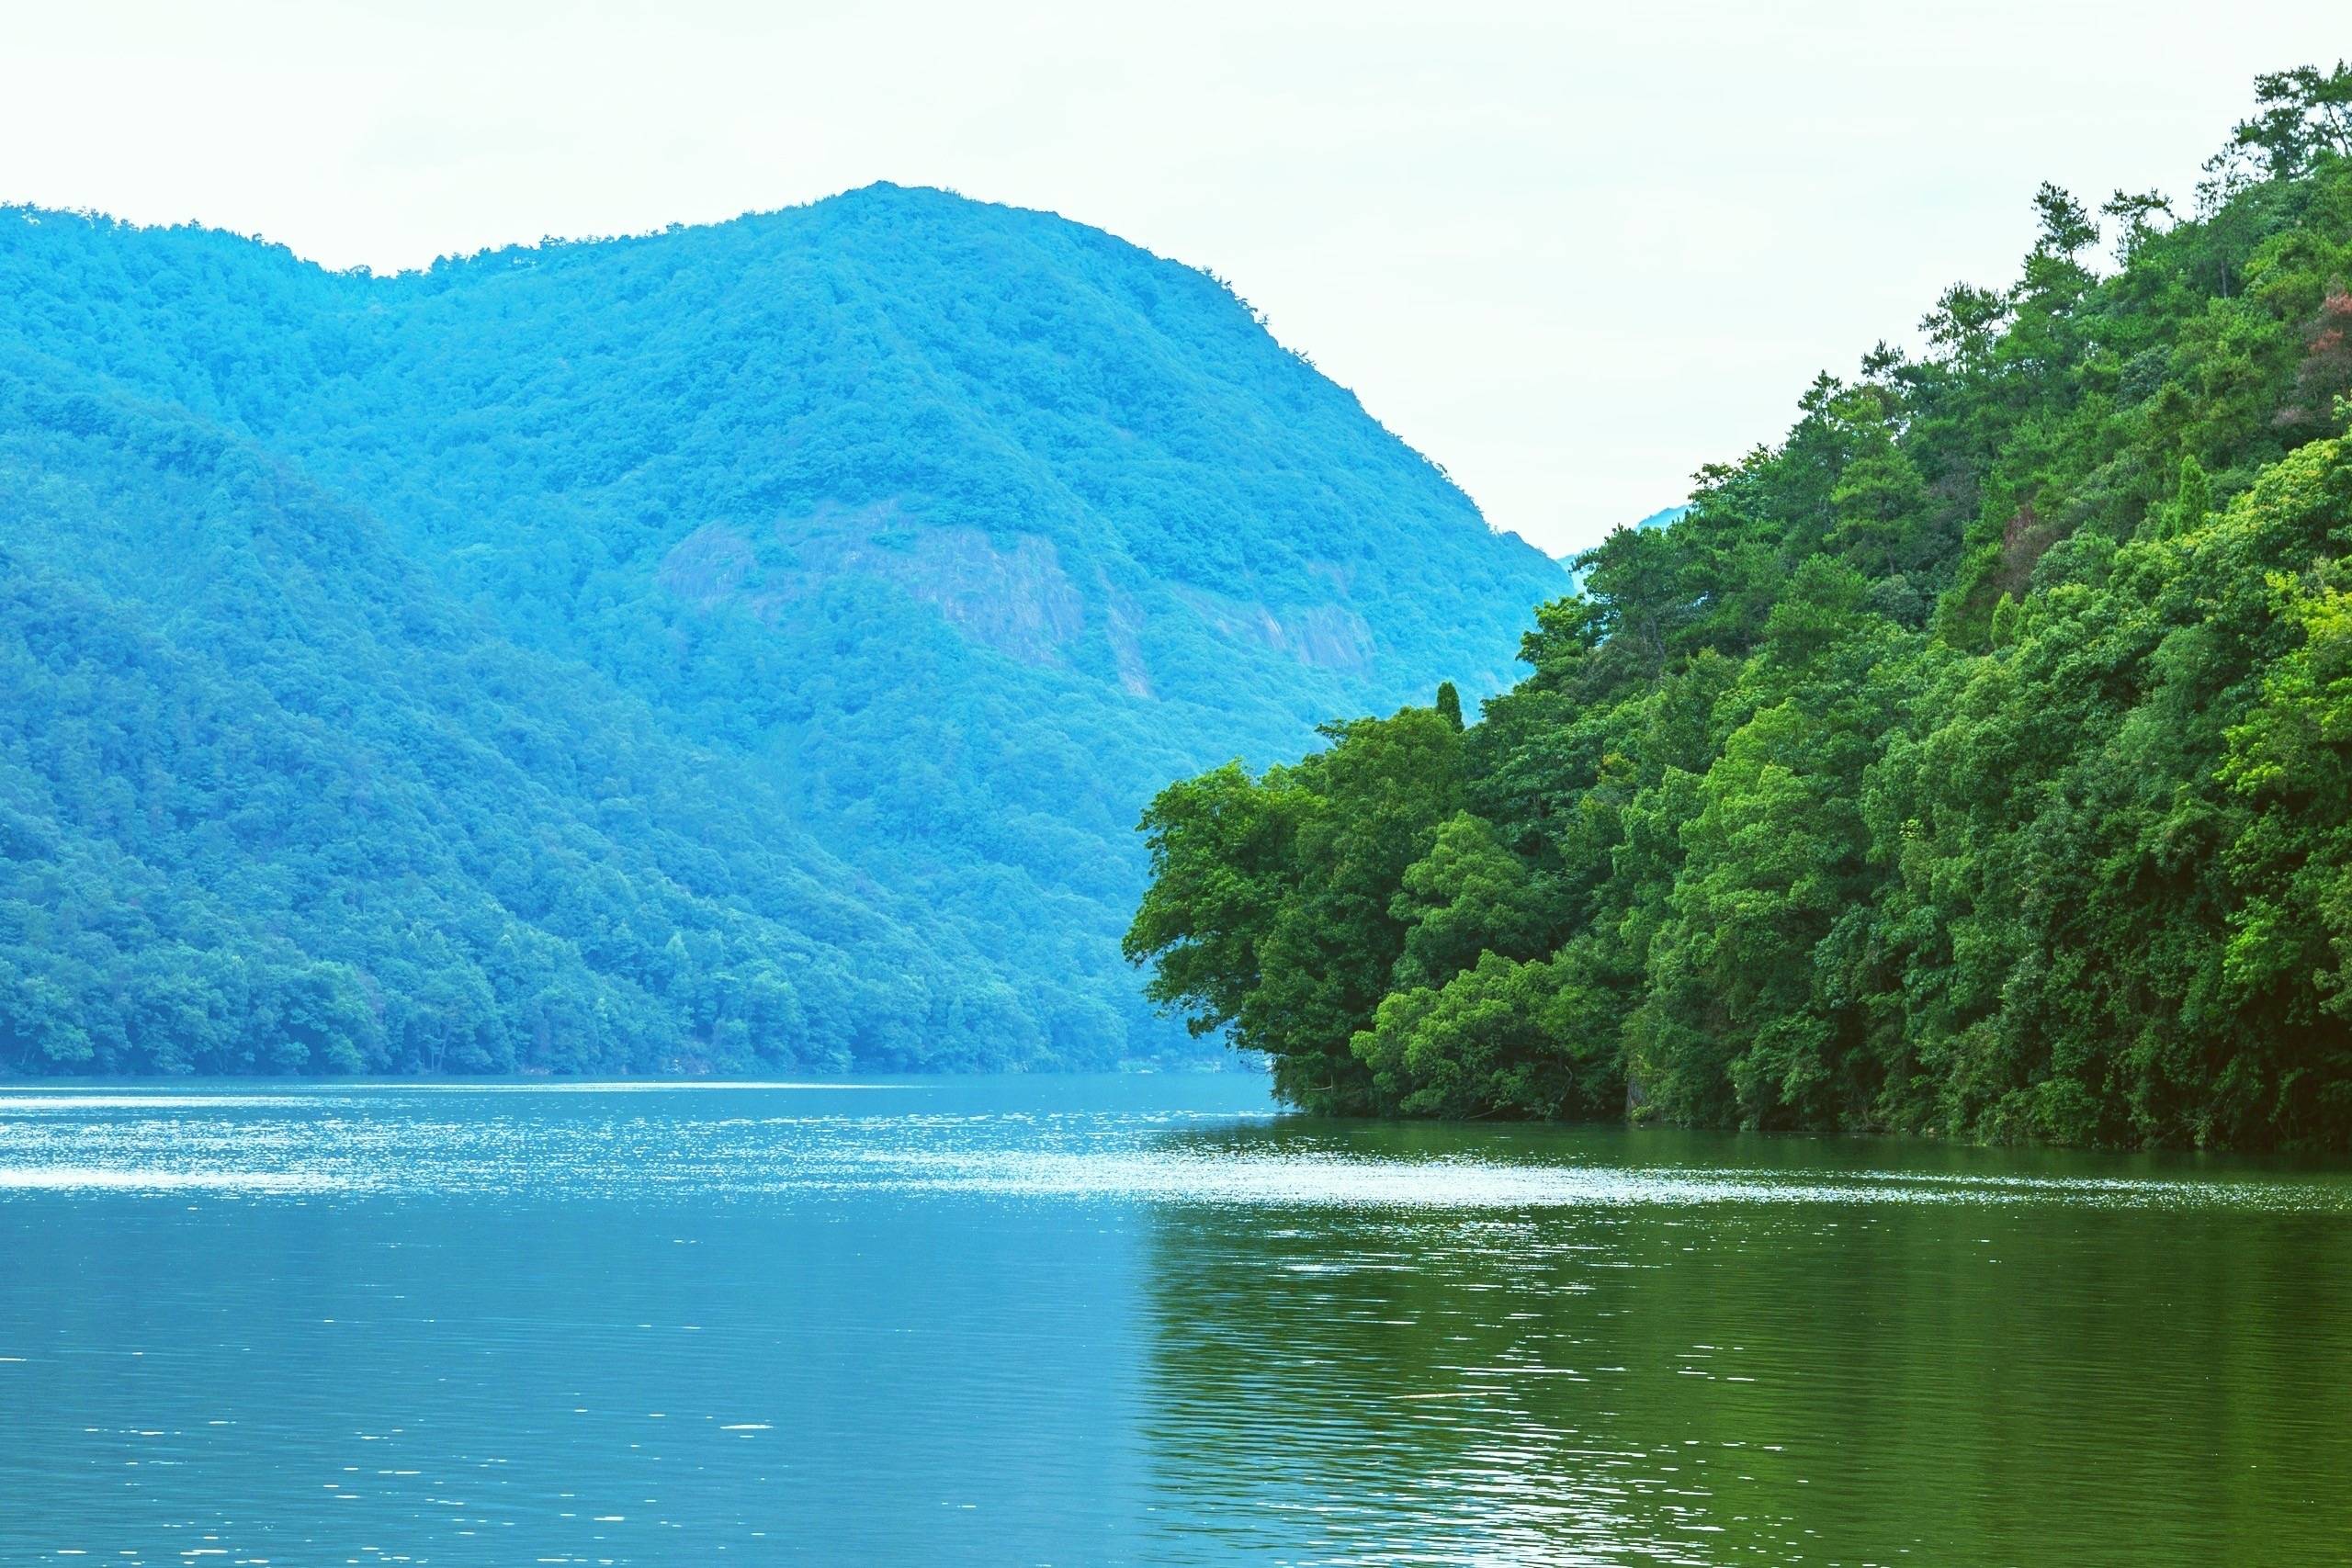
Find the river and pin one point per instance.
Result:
(1140, 1319)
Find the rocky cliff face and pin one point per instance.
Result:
(1008, 596)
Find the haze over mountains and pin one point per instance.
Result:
(747, 645)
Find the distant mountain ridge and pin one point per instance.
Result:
(941, 532)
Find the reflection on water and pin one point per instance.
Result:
(2046, 1376)
(1083, 1321)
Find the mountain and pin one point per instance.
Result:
(733, 647)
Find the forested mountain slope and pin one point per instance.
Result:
(736, 646)
(1977, 760)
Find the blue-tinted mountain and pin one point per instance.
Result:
(734, 646)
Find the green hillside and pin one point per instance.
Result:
(735, 647)
(1977, 760)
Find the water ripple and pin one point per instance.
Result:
(982, 1323)
(508, 1141)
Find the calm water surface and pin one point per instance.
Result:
(1078, 1321)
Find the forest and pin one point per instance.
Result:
(1975, 762)
(726, 649)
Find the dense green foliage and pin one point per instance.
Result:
(1977, 760)
(731, 648)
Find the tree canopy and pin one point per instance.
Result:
(1975, 760)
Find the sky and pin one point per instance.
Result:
(1570, 252)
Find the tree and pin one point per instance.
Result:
(1449, 703)
(2303, 115)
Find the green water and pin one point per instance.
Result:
(1081, 1321)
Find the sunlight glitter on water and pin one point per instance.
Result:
(87, 1179)
(408, 1140)
(1326, 1180)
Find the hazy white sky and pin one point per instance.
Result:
(1570, 252)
